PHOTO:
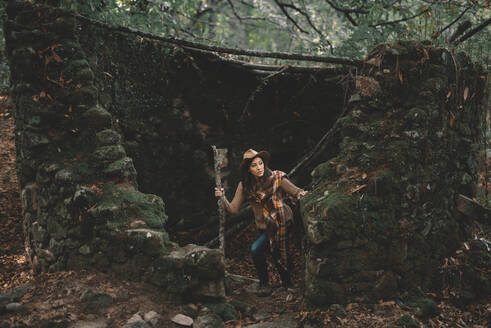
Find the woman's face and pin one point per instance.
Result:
(257, 167)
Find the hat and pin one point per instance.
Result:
(251, 154)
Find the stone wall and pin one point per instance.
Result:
(81, 204)
(382, 214)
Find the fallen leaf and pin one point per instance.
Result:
(466, 92)
(452, 119)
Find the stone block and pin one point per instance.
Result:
(108, 137)
(106, 154)
(97, 118)
(85, 95)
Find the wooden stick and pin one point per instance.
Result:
(221, 212)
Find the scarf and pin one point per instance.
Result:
(271, 198)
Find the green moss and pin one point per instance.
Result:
(97, 118)
(109, 153)
(321, 292)
(108, 137)
(148, 242)
(132, 205)
(82, 171)
(434, 84)
(86, 95)
(323, 171)
(416, 115)
(84, 76)
(337, 205)
(121, 168)
(75, 65)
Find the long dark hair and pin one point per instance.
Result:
(249, 182)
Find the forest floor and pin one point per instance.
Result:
(57, 299)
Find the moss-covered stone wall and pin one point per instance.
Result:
(382, 214)
(81, 204)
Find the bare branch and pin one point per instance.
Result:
(438, 33)
(473, 31)
(233, 10)
(283, 9)
(305, 15)
(347, 10)
(400, 20)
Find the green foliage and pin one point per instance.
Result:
(344, 28)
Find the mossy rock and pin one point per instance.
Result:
(323, 170)
(190, 273)
(97, 118)
(106, 154)
(84, 76)
(226, 311)
(64, 26)
(148, 242)
(83, 171)
(122, 168)
(320, 292)
(125, 204)
(108, 137)
(85, 95)
(434, 84)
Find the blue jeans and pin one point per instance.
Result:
(259, 249)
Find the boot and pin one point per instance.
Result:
(263, 289)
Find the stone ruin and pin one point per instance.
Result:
(384, 212)
(95, 105)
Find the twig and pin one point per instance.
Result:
(400, 20)
(347, 12)
(282, 7)
(437, 34)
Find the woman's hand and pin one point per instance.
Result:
(301, 194)
(219, 192)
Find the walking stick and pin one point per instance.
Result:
(219, 156)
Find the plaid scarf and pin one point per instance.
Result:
(271, 198)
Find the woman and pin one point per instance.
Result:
(266, 192)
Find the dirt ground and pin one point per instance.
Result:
(59, 299)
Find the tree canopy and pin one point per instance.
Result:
(323, 27)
